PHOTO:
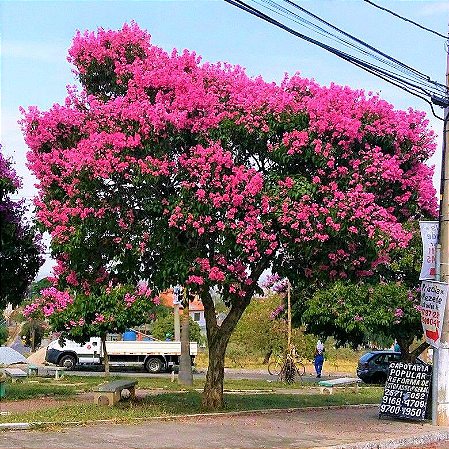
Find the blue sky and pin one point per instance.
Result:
(35, 36)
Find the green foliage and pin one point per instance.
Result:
(358, 313)
(37, 286)
(102, 312)
(3, 335)
(33, 331)
(259, 332)
(17, 316)
(164, 324)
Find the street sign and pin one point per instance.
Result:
(433, 304)
(429, 237)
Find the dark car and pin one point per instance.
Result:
(373, 366)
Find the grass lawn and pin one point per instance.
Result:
(169, 400)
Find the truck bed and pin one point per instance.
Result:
(148, 347)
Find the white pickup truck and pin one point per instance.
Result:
(155, 356)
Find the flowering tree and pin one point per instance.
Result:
(20, 244)
(82, 315)
(381, 310)
(181, 172)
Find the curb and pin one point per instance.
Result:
(396, 443)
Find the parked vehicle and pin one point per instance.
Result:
(155, 356)
(374, 365)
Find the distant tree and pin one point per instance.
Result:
(263, 329)
(20, 249)
(37, 286)
(164, 325)
(33, 331)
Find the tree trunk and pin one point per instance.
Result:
(105, 356)
(213, 388)
(418, 350)
(33, 336)
(404, 343)
(267, 357)
(185, 376)
(177, 336)
(217, 339)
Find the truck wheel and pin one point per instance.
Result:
(67, 361)
(154, 365)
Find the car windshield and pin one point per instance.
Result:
(366, 357)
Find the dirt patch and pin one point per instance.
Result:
(45, 402)
(28, 405)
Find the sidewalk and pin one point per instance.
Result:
(349, 427)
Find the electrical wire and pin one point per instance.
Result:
(359, 45)
(421, 88)
(405, 19)
(359, 41)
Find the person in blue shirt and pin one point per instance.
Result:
(319, 358)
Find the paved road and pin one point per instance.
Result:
(230, 373)
(306, 428)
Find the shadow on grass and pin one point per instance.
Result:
(183, 403)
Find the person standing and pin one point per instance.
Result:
(319, 358)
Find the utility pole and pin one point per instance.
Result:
(185, 376)
(177, 336)
(176, 300)
(440, 385)
(289, 316)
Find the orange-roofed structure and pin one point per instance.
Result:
(196, 308)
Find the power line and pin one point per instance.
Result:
(406, 20)
(353, 42)
(414, 82)
(359, 41)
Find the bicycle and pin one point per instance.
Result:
(293, 361)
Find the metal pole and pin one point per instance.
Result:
(441, 369)
(289, 317)
(434, 351)
(177, 324)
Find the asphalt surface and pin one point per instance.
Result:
(349, 427)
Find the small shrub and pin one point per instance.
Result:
(33, 331)
(3, 335)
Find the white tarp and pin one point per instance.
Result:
(9, 356)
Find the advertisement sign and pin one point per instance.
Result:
(406, 391)
(429, 236)
(177, 295)
(433, 304)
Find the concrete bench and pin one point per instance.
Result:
(111, 392)
(329, 385)
(15, 373)
(33, 370)
(52, 371)
(58, 371)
